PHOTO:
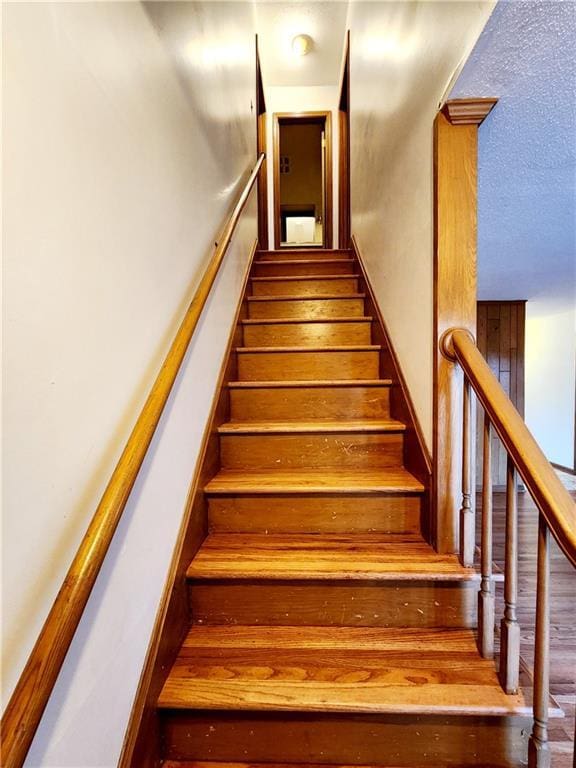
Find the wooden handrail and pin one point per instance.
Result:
(550, 496)
(36, 682)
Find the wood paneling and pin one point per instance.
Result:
(500, 338)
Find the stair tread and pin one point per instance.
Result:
(307, 297)
(312, 425)
(336, 348)
(302, 321)
(311, 383)
(326, 556)
(315, 481)
(293, 278)
(306, 261)
(321, 669)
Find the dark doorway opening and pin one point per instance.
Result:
(302, 180)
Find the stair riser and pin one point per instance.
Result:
(307, 366)
(261, 513)
(297, 268)
(403, 741)
(405, 603)
(312, 451)
(305, 253)
(307, 334)
(277, 403)
(306, 309)
(314, 287)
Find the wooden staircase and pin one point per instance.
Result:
(324, 628)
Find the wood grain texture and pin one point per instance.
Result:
(290, 268)
(324, 399)
(296, 254)
(314, 481)
(346, 739)
(333, 332)
(37, 680)
(312, 285)
(290, 446)
(353, 556)
(308, 309)
(439, 602)
(500, 339)
(393, 673)
(455, 182)
(318, 514)
(304, 363)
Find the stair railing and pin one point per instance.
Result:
(557, 516)
(38, 678)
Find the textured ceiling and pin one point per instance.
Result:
(278, 23)
(527, 151)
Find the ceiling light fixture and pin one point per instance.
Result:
(301, 45)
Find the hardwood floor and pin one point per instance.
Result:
(562, 617)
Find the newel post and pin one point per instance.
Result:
(455, 190)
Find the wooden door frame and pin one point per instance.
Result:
(344, 215)
(304, 117)
(262, 184)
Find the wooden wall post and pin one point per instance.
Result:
(455, 189)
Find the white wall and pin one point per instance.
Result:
(284, 98)
(127, 137)
(402, 57)
(550, 378)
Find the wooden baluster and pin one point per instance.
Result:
(538, 747)
(486, 593)
(509, 627)
(467, 523)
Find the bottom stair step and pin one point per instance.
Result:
(339, 669)
(220, 764)
(341, 696)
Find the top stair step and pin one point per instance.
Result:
(303, 253)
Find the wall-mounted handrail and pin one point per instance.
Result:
(557, 515)
(37, 680)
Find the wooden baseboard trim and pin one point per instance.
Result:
(141, 740)
(417, 456)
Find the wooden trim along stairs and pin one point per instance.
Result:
(309, 620)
